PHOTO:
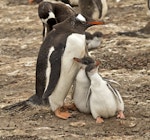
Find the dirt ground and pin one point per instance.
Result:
(124, 59)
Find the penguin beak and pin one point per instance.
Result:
(76, 59)
(95, 23)
(97, 63)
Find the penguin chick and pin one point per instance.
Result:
(55, 68)
(82, 85)
(52, 13)
(96, 9)
(105, 100)
(93, 40)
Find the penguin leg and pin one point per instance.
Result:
(71, 106)
(121, 115)
(99, 120)
(62, 114)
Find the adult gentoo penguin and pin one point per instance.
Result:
(56, 69)
(95, 9)
(52, 13)
(82, 85)
(105, 100)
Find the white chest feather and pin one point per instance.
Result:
(50, 15)
(48, 69)
(103, 103)
(75, 47)
(93, 43)
(82, 85)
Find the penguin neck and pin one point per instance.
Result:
(96, 79)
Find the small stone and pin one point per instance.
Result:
(77, 124)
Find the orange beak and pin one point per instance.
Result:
(96, 23)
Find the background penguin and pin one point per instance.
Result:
(82, 85)
(70, 2)
(148, 5)
(93, 40)
(105, 101)
(37, 1)
(53, 13)
(56, 69)
(95, 9)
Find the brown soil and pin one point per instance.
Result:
(126, 59)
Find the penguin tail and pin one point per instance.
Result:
(23, 105)
(20, 106)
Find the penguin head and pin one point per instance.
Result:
(98, 34)
(90, 36)
(80, 20)
(92, 68)
(84, 61)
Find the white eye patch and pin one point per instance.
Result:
(51, 15)
(81, 18)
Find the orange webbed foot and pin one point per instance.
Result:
(62, 114)
(99, 120)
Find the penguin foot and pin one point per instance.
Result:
(70, 107)
(99, 120)
(121, 115)
(62, 114)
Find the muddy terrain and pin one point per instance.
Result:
(125, 59)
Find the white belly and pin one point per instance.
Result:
(102, 102)
(82, 86)
(94, 43)
(75, 47)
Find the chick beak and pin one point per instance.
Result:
(97, 63)
(76, 59)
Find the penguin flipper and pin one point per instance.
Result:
(55, 61)
(114, 91)
(88, 96)
(111, 81)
